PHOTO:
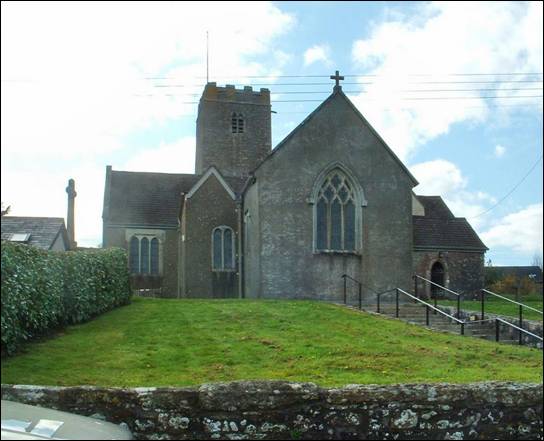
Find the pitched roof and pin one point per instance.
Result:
(211, 171)
(435, 207)
(43, 230)
(439, 228)
(151, 199)
(338, 93)
(518, 271)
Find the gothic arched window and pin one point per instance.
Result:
(144, 255)
(223, 249)
(237, 123)
(134, 252)
(154, 256)
(337, 213)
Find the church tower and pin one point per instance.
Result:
(233, 129)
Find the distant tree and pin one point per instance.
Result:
(513, 285)
(537, 260)
(6, 210)
(489, 263)
(491, 276)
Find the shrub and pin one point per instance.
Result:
(512, 285)
(42, 290)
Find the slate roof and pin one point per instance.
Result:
(435, 207)
(518, 271)
(439, 228)
(43, 230)
(150, 199)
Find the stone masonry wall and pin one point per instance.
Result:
(282, 227)
(282, 410)
(210, 207)
(234, 154)
(464, 270)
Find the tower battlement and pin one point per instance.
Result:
(230, 93)
(233, 130)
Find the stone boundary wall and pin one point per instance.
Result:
(283, 410)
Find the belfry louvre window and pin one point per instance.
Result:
(237, 123)
(335, 214)
(144, 255)
(223, 249)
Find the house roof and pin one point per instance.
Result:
(150, 199)
(435, 207)
(517, 271)
(43, 231)
(338, 93)
(440, 229)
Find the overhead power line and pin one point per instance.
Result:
(290, 92)
(430, 98)
(402, 99)
(511, 191)
(364, 75)
(359, 83)
(279, 112)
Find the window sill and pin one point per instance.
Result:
(338, 252)
(223, 270)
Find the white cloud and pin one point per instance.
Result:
(438, 177)
(520, 231)
(75, 85)
(86, 65)
(443, 38)
(176, 157)
(317, 53)
(443, 178)
(500, 151)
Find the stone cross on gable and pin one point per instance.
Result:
(337, 78)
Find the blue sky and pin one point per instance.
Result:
(85, 85)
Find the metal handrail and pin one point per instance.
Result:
(349, 277)
(430, 306)
(436, 284)
(416, 276)
(427, 307)
(361, 284)
(497, 330)
(345, 277)
(512, 301)
(519, 329)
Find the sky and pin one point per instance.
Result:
(454, 89)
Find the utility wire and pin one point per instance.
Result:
(464, 107)
(402, 99)
(290, 92)
(511, 191)
(527, 105)
(363, 75)
(429, 98)
(359, 83)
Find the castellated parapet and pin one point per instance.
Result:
(233, 129)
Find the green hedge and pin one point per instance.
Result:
(42, 290)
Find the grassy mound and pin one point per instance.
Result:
(157, 342)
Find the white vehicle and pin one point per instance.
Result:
(21, 421)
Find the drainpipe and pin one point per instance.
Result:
(240, 209)
(241, 262)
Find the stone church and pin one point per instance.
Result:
(331, 199)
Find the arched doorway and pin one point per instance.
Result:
(437, 276)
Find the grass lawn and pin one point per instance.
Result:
(502, 307)
(158, 342)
